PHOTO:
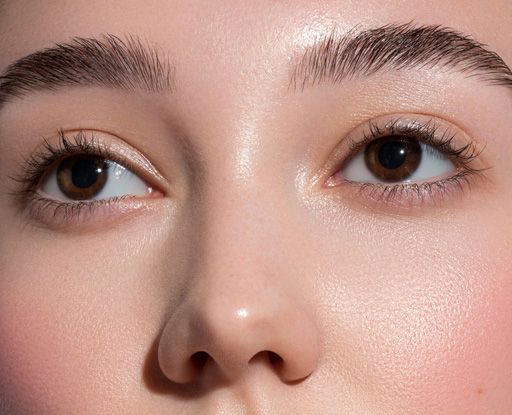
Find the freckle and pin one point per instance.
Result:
(480, 391)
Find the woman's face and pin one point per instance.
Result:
(315, 215)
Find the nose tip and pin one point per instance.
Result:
(223, 340)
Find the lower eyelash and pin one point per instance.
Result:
(416, 194)
(41, 206)
(56, 213)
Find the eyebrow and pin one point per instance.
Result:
(107, 61)
(398, 47)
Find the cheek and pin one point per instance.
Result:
(423, 328)
(446, 344)
(55, 353)
(40, 365)
(70, 341)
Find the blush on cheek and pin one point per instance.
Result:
(63, 358)
(29, 358)
(453, 351)
(434, 340)
(483, 371)
(40, 369)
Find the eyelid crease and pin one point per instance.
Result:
(426, 132)
(37, 165)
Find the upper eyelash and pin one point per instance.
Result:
(38, 164)
(427, 132)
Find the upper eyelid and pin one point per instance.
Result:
(44, 158)
(461, 148)
(353, 141)
(431, 132)
(72, 142)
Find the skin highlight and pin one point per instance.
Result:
(245, 284)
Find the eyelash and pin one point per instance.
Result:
(413, 193)
(38, 165)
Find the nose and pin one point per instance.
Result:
(225, 336)
(244, 307)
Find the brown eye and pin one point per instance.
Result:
(82, 177)
(393, 158)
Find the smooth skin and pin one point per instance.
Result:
(244, 285)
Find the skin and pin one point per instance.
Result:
(370, 307)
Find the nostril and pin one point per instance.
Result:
(215, 340)
(198, 361)
(275, 360)
(271, 358)
(281, 367)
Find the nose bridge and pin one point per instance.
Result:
(240, 265)
(239, 232)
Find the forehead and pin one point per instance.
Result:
(235, 33)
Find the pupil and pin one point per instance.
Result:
(392, 155)
(84, 173)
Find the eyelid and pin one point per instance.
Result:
(54, 213)
(467, 150)
(442, 135)
(73, 142)
(145, 169)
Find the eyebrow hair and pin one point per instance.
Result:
(107, 61)
(398, 47)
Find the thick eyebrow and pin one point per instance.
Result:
(398, 47)
(107, 61)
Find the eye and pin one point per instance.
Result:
(90, 177)
(397, 159)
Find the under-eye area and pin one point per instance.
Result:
(406, 160)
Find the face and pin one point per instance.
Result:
(255, 207)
